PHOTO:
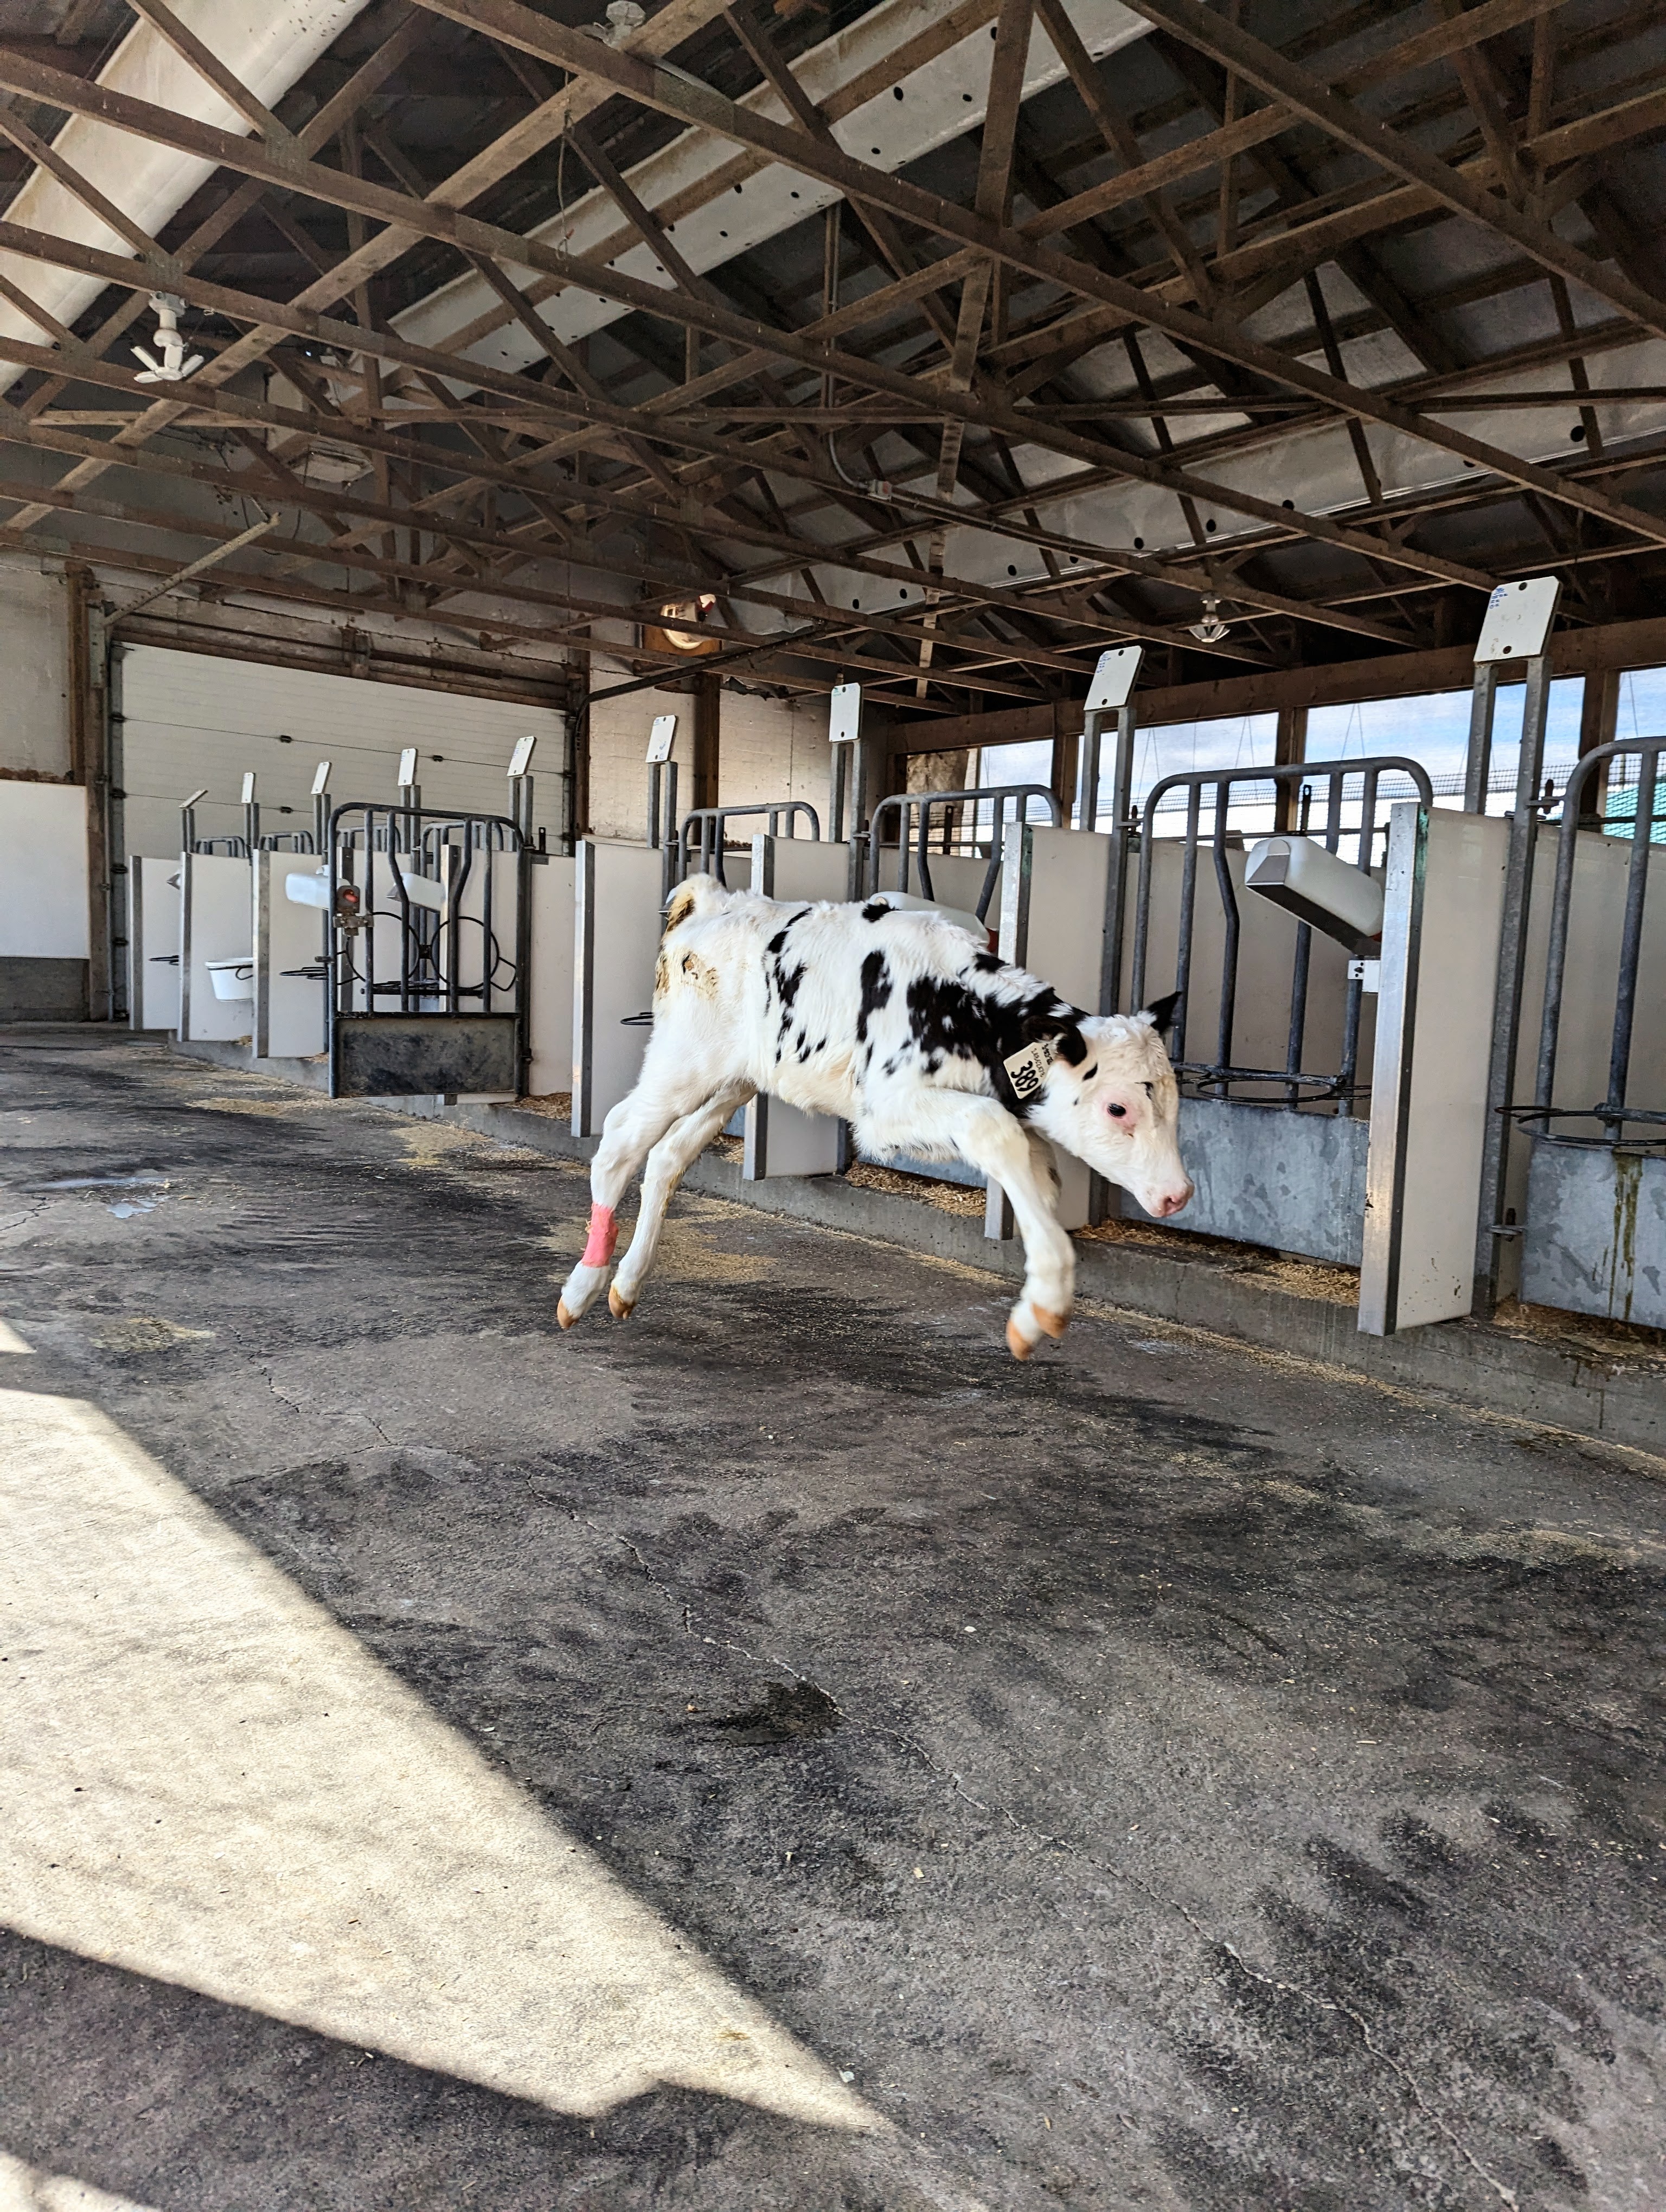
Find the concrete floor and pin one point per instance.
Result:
(777, 1754)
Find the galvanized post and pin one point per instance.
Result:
(1017, 870)
(1507, 1005)
(584, 984)
(251, 815)
(755, 1155)
(321, 809)
(1517, 626)
(1478, 760)
(668, 840)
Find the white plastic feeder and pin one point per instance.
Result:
(1318, 887)
(232, 979)
(312, 889)
(421, 890)
(906, 902)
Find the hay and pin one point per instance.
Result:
(1290, 1273)
(928, 1190)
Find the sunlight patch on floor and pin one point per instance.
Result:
(26, 2189)
(205, 1779)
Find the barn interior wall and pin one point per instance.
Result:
(34, 702)
(43, 918)
(769, 749)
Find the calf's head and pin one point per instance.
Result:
(1117, 1107)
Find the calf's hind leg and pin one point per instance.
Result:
(631, 1129)
(667, 1163)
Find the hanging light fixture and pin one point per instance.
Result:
(1211, 629)
(682, 611)
(173, 367)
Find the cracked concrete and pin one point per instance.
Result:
(1160, 1776)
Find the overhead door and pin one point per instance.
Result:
(192, 720)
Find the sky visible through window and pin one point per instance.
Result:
(1432, 729)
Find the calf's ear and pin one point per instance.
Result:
(1058, 1031)
(1163, 1011)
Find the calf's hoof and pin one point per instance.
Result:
(1017, 1342)
(1055, 1324)
(621, 1309)
(563, 1316)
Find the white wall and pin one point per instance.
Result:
(43, 871)
(767, 748)
(773, 749)
(193, 719)
(34, 659)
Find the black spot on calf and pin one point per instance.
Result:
(875, 992)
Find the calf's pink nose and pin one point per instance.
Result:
(1173, 1202)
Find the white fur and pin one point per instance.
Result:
(754, 995)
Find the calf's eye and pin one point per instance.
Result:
(1089, 1073)
(1116, 1113)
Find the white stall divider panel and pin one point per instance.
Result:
(378, 948)
(1052, 916)
(289, 1009)
(550, 986)
(43, 871)
(154, 950)
(218, 924)
(782, 1139)
(617, 925)
(1440, 950)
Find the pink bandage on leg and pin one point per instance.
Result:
(603, 1235)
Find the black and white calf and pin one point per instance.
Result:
(902, 1023)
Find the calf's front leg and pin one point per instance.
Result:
(987, 1136)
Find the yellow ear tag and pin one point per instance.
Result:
(1027, 1070)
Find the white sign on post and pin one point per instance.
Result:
(660, 739)
(844, 720)
(321, 779)
(1517, 625)
(248, 788)
(1113, 679)
(407, 774)
(520, 758)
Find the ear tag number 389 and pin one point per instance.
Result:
(1027, 1070)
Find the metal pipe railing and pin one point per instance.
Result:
(711, 823)
(1221, 1071)
(925, 803)
(1613, 1112)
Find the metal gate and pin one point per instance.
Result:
(1275, 1134)
(426, 955)
(957, 834)
(1594, 1239)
